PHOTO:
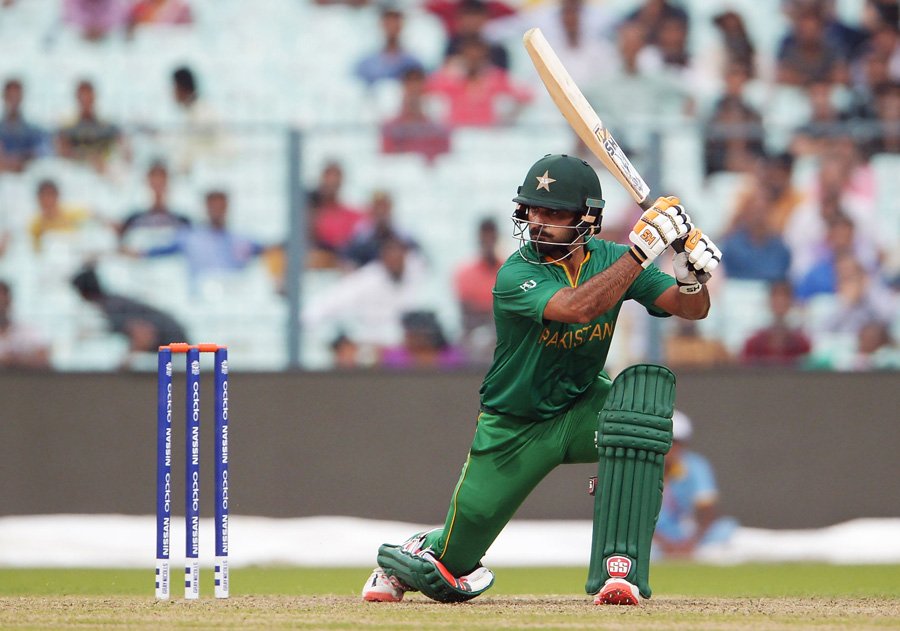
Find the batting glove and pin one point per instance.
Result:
(658, 227)
(693, 267)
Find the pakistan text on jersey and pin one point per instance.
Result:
(573, 339)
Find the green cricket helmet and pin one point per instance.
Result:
(559, 182)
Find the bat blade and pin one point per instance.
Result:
(581, 116)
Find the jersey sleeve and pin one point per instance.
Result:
(524, 289)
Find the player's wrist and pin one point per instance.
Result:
(639, 256)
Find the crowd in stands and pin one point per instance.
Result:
(800, 127)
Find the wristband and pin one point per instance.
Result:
(689, 288)
(639, 257)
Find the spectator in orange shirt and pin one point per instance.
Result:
(475, 89)
(772, 174)
(474, 282)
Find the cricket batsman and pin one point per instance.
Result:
(546, 399)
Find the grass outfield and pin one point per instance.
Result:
(687, 596)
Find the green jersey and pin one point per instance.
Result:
(540, 367)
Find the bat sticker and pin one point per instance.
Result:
(618, 156)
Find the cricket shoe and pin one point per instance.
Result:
(381, 588)
(618, 591)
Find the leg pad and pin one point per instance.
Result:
(635, 429)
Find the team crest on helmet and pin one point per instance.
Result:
(544, 181)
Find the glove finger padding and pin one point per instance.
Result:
(703, 254)
(680, 219)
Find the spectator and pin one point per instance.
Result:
(197, 123)
(21, 346)
(689, 518)
(448, 12)
(332, 221)
(688, 348)
(412, 130)
(850, 41)
(860, 301)
(884, 40)
(871, 72)
(653, 14)
(580, 39)
(94, 19)
(643, 90)
(754, 251)
(843, 184)
(474, 281)
(162, 12)
(572, 27)
(158, 222)
(779, 342)
(20, 141)
(424, 345)
(477, 93)
(876, 348)
(806, 55)
(367, 304)
(840, 240)
(772, 174)
(734, 134)
(471, 18)
(887, 108)
(88, 138)
(672, 43)
(346, 353)
(392, 61)
(213, 248)
(146, 327)
(53, 216)
(739, 49)
(374, 230)
(825, 122)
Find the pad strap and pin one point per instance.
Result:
(635, 427)
(423, 572)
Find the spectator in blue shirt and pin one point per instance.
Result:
(212, 248)
(392, 61)
(821, 278)
(753, 250)
(20, 141)
(688, 519)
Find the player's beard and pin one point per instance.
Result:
(556, 249)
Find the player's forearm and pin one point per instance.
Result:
(596, 296)
(693, 306)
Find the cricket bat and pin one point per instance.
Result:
(584, 120)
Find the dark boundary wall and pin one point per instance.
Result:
(790, 449)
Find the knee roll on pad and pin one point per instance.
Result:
(635, 431)
(421, 571)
